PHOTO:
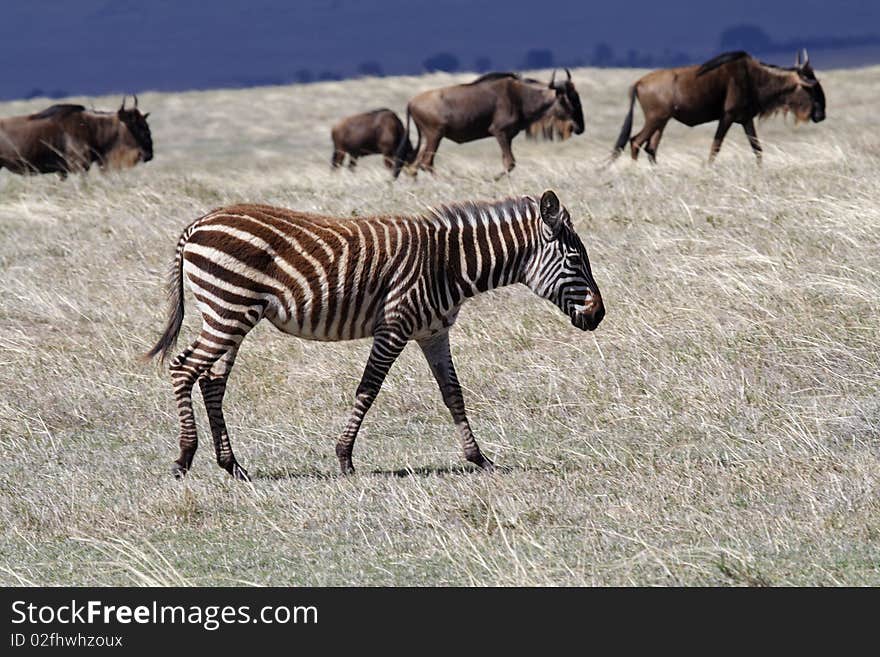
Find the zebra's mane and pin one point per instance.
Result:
(504, 208)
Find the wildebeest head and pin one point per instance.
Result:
(808, 100)
(141, 138)
(568, 102)
(560, 268)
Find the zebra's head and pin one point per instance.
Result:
(560, 271)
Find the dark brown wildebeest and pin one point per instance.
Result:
(496, 104)
(731, 88)
(550, 128)
(69, 138)
(370, 133)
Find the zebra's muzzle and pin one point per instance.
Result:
(588, 316)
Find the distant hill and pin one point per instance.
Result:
(54, 48)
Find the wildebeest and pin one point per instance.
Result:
(550, 128)
(732, 88)
(496, 104)
(376, 132)
(68, 138)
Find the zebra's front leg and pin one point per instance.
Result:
(386, 349)
(439, 357)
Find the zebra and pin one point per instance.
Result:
(392, 278)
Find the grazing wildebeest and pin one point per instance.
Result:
(731, 88)
(69, 138)
(496, 104)
(395, 279)
(379, 131)
(550, 128)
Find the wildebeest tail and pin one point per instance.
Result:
(175, 306)
(400, 153)
(626, 130)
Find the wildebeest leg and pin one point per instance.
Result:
(386, 348)
(723, 126)
(439, 357)
(654, 142)
(504, 138)
(387, 146)
(213, 385)
(337, 159)
(432, 142)
(352, 162)
(749, 127)
(639, 140)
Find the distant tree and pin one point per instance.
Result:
(35, 93)
(539, 58)
(442, 61)
(482, 64)
(304, 76)
(329, 76)
(372, 69)
(603, 55)
(745, 37)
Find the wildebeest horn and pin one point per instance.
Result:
(797, 59)
(553, 78)
(568, 73)
(123, 104)
(806, 57)
(135, 101)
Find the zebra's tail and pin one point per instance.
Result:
(626, 130)
(175, 307)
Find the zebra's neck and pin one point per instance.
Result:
(488, 245)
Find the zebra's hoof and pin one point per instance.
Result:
(346, 468)
(239, 473)
(178, 471)
(488, 466)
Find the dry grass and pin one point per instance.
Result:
(721, 427)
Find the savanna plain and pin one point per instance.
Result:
(721, 427)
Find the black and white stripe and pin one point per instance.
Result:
(392, 278)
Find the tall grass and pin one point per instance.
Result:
(721, 426)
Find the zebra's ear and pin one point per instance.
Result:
(550, 209)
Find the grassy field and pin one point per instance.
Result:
(721, 427)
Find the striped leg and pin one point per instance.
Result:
(213, 385)
(192, 364)
(185, 370)
(386, 349)
(439, 357)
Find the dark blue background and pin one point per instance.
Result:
(54, 47)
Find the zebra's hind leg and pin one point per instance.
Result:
(439, 357)
(189, 366)
(185, 369)
(213, 385)
(386, 348)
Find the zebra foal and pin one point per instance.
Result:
(391, 278)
